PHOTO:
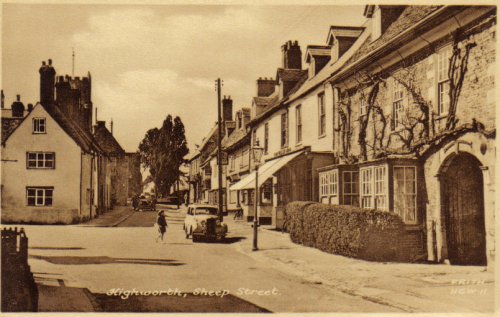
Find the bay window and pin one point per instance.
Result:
(350, 188)
(374, 187)
(405, 193)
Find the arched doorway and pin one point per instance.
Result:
(463, 210)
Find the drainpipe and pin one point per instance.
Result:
(91, 187)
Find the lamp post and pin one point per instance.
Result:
(257, 154)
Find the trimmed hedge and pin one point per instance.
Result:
(347, 230)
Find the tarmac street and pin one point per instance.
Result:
(124, 269)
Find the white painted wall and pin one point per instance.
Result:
(65, 178)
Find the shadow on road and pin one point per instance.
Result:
(83, 260)
(56, 248)
(177, 304)
(227, 240)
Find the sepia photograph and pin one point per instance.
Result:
(248, 157)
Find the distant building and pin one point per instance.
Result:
(123, 168)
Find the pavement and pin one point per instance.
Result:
(405, 286)
(74, 273)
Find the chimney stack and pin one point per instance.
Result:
(111, 126)
(227, 109)
(17, 108)
(3, 100)
(47, 82)
(265, 86)
(30, 107)
(292, 55)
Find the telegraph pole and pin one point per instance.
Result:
(219, 150)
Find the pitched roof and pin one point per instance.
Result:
(409, 17)
(107, 141)
(289, 74)
(234, 138)
(82, 138)
(9, 125)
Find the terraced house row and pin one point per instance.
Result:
(397, 114)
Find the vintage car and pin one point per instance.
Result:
(146, 202)
(201, 222)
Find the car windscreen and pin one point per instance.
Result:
(206, 211)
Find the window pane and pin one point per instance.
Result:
(31, 201)
(32, 163)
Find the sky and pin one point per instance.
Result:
(150, 61)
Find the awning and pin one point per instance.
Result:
(265, 171)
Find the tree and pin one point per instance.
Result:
(162, 151)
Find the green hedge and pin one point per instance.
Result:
(346, 230)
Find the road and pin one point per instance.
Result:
(107, 260)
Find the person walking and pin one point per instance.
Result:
(161, 222)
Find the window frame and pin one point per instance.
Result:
(443, 80)
(44, 196)
(35, 129)
(371, 194)
(43, 160)
(266, 138)
(284, 130)
(352, 184)
(321, 115)
(298, 123)
(363, 107)
(397, 104)
(394, 195)
(329, 183)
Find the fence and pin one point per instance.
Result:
(19, 291)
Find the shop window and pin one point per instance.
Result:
(405, 193)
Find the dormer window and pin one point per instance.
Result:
(341, 38)
(39, 125)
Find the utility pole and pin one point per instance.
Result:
(219, 150)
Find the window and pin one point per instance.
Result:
(366, 188)
(39, 196)
(266, 138)
(232, 159)
(298, 119)
(374, 188)
(329, 183)
(244, 159)
(267, 192)
(443, 81)
(380, 188)
(351, 188)
(321, 114)
(405, 193)
(254, 136)
(363, 108)
(232, 196)
(284, 129)
(397, 105)
(39, 125)
(40, 160)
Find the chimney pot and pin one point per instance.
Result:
(30, 107)
(43, 63)
(18, 97)
(50, 61)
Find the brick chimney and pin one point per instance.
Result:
(17, 108)
(265, 86)
(30, 107)
(292, 56)
(47, 82)
(227, 109)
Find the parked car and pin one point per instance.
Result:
(146, 202)
(201, 222)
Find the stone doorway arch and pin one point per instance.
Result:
(462, 207)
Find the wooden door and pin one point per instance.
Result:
(463, 204)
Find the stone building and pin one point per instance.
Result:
(414, 127)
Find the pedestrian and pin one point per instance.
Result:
(135, 202)
(161, 222)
